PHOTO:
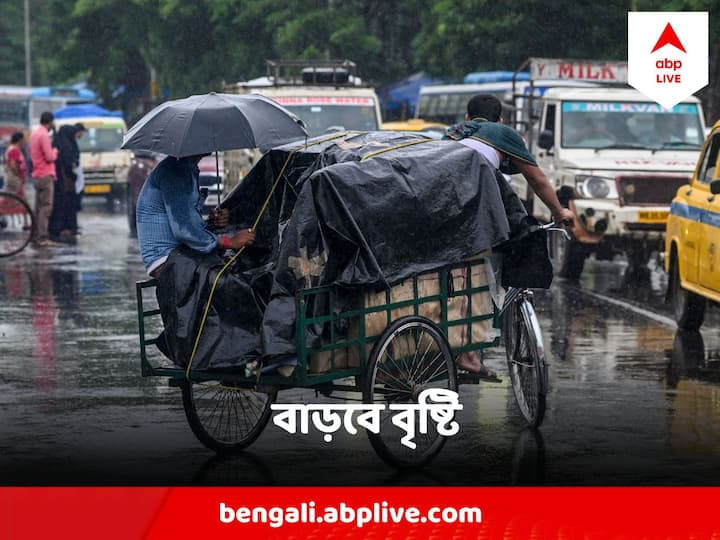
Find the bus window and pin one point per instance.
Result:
(442, 106)
(13, 111)
(39, 106)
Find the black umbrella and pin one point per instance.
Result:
(212, 122)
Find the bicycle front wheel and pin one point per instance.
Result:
(16, 224)
(411, 356)
(526, 359)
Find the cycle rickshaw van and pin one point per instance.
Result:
(353, 228)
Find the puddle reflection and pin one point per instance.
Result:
(529, 459)
(242, 469)
(524, 464)
(644, 286)
(44, 322)
(693, 397)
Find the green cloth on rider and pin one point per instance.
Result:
(499, 136)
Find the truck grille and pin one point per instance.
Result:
(648, 190)
(100, 175)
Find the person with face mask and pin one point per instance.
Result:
(62, 226)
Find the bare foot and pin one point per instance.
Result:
(469, 361)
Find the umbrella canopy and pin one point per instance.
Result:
(207, 123)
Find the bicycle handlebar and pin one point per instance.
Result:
(553, 225)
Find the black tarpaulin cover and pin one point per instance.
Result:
(360, 210)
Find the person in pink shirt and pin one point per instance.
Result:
(43, 157)
(15, 169)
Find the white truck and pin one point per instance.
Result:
(326, 94)
(615, 158)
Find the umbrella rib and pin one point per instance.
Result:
(165, 128)
(247, 127)
(137, 129)
(187, 128)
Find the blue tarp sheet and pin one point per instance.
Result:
(84, 111)
(404, 93)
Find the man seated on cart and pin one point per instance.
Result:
(169, 214)
(504, 149)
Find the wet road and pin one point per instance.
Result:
(631, 401)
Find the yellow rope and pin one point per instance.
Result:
(236, 255)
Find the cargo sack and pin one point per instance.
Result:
(460, 306)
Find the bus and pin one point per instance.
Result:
(21, 106)
(447, 103)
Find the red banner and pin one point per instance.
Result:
(359, 513)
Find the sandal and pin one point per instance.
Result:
(482, 372)
(487, 374)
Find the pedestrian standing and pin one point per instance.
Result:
(63, 218)
(43, 157)
(15, 166)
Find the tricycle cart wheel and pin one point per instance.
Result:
(411, 355)
(526, 359)
(223, 416)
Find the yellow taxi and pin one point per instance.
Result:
(692, 239)
(433, 129)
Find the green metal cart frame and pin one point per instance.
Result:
(227, 411)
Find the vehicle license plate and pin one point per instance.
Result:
(97, 188)
(652, 217)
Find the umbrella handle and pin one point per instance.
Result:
(217, 172)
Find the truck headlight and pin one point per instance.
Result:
(595, 187)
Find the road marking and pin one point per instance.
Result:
(667, 321)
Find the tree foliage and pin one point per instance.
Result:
(12, 57)
(127, 48)
(458, 36)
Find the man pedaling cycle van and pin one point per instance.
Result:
(504, 149)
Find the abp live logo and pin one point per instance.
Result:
(668, 54)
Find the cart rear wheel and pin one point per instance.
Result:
(223, 416)
(526, 359)
(411, 355)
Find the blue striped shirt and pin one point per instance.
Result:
(169, 212)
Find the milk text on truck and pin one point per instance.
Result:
(615, 157)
